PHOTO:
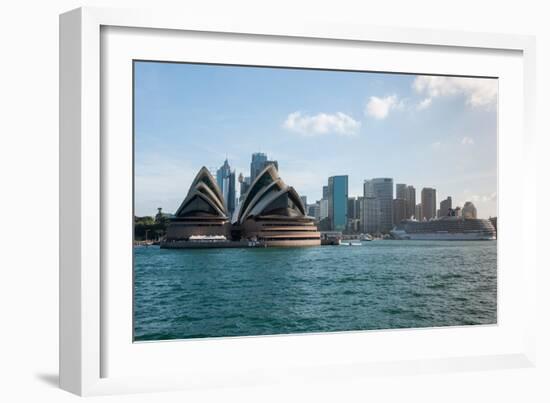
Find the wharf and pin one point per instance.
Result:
(210, 244)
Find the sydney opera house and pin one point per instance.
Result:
(270, 214)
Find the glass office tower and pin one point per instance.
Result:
(338, 202)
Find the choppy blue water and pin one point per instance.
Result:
(381, 285)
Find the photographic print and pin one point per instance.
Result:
(273, 200)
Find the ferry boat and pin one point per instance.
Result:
(349, 242)
(448, 228)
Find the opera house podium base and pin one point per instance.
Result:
(283, 231)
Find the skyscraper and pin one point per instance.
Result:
(226, 182)
(368, 189)
(401, 191)
(304, 200)
(411, 201)
(245, 184)
(353, 207)
(338, 202)
(325, 192)
(313, 210)
(428, 197)
(445, 207)
(399, 210)
(370, 215)
(382, 189)
(400, 203)
(418, 212)
(323, 209)
(258, 163)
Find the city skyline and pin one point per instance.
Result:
(366, 125)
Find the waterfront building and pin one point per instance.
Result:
(202, 212)
(273, 213)
(469, 210)
(225, 178)
(410, 197)
(323, 209)
(428, 201)
(446, 207)
(270, 214)
(259, 163)
(304, 200)
(370, 215)
(338, 202)
(418, 212)
(354, 226)
(382, 189)
(399, 210)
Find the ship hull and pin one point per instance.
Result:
(445, 236)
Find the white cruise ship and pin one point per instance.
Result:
(448, 228)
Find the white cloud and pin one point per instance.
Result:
(478, 91)
(425, 103)
(322, 123)
(489, 197)
(379, 108)
(467, 141)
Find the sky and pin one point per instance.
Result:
(425, 131)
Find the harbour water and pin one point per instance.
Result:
(182, 294)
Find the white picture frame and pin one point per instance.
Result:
(97, 357)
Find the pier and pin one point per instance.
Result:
(207, 244)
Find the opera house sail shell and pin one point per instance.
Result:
(202, 213)
(273, 213)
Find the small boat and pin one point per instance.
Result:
(349, 242)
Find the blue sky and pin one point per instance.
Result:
(426, 131)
